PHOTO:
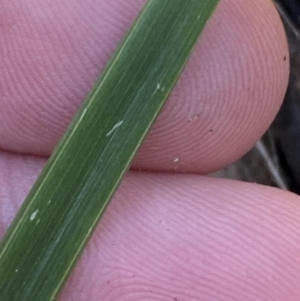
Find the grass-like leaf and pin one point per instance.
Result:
(57, 218)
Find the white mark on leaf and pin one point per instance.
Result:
(33, 215)
(114, 128)
(176, 160)
(159, 87)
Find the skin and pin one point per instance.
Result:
(170, 233)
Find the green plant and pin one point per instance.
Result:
(60, 213)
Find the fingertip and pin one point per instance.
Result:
(188, 237)
(180, 236)
(226, 98)
(228, 95)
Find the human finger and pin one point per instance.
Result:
(179, 237)
(226, 98)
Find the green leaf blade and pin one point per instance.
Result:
(57, 218)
